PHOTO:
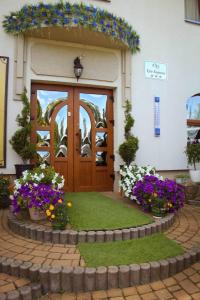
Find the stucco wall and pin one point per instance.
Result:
(166, 38)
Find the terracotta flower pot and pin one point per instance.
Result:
(36, 214)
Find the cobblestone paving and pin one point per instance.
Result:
(17, 247)
(186, 228)
(10, 283)
(182, 286)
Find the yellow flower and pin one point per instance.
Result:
(48, 213)
(60, 201)
(51, 207)
(69, 204)
(149, 200)
(155, 194)
(53, 216)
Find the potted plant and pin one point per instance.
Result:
(21, 140)
(38, 190)
(182, 178)
(159, 196)
(193, 157)
(4, 192)
(128, 149)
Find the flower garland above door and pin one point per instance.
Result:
(68, 15)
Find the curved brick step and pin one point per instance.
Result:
(72, 237)
(79, 279)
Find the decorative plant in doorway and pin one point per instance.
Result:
(21, 140)
(128, 149)
(193, 157)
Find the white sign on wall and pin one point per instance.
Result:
(155, 70)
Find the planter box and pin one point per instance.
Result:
(36, 214)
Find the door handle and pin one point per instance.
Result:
(78, 141)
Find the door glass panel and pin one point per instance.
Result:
(101, 139)
(101, 158)
(43, 138)
(46, 103)
(60, 132)
(85, 133)
(43, 156)
(97, 104)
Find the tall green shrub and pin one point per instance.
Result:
(21, 140)
(128, 149)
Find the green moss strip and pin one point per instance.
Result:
(151, 248)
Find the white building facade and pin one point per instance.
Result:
(167, 68)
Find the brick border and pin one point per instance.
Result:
(80, 279)
(73, 237)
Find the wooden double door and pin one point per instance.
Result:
(72, 128)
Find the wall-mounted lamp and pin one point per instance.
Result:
(78, 68)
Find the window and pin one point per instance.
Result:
(193, 117)
(192, 11)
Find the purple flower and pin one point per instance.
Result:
(151, 191)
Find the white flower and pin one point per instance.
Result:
(43, 166)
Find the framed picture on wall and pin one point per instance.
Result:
(4, 61)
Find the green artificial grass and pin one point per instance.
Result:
(151, 248)
(94, 211)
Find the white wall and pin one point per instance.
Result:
(165, 37)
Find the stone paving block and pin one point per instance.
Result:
(13, 295)
(164, 269)
(172, 266)
(22, 229)
(100, 236)
(33, 232)
(91, 236)
(124, 276)
(145, 273)
(4, 297)
(117, 235)
(89, 279)
(154, 271)
(141, 231)
(187, 260)
(6, 266)
(78, 274)
(109, 236)
(134, 274)
(26, 293)
(73, 237)
(101, 278)
(148, 230)
(24, 269)
(2, 259)
(27, 231)
(193, 256)
(55, 236)
(82, 236)
(47, 236)
(34, 273)
(66, 279)
(153, 228)
(36, 290)
(180, 263)
(134, 233)
(126, 234)
(44, 279)
(14, 268)
(158, 227)
(113, 277)
(64, 236)
(55, 279)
